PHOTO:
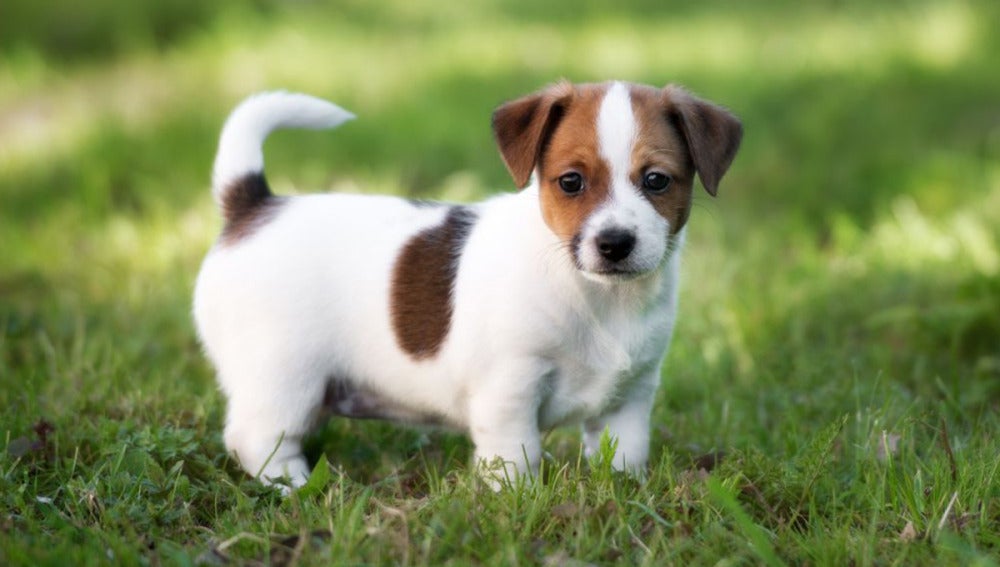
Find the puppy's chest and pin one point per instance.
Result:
(596, 366)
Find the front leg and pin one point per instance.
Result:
(503, 423)
(627, 423)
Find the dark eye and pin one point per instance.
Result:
(656, 182)
(571, 183)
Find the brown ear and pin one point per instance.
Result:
(713, 134)
(522, 127)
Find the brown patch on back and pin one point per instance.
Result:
(420, 297)
(247, 204)
(574, 147)
(660, 146)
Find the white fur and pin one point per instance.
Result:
(533, 344)
(242, 139)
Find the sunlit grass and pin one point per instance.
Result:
(842, 292)
(911, 240)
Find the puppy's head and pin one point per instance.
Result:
(615, 166)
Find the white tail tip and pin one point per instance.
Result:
(240, 145)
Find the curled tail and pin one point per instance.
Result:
(238, 183)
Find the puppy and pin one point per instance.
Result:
(549, 306)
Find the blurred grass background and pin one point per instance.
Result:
(851, 264)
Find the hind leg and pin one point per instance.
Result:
(267, 417)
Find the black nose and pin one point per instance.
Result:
(615, 244)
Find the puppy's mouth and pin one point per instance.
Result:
(615, 273)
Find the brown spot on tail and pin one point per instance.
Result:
(247, 204)
(423, 278)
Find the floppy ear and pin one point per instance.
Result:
(712, 133)
(522, 128)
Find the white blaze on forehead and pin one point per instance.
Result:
(616, 132)
(625, 208)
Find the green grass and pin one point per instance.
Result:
(838, 350)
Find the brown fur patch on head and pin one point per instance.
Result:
(247, 204)
(420, 297)
(660, 146)
(555, 131)
(574, 147)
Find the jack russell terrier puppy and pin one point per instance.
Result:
(502, 319)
